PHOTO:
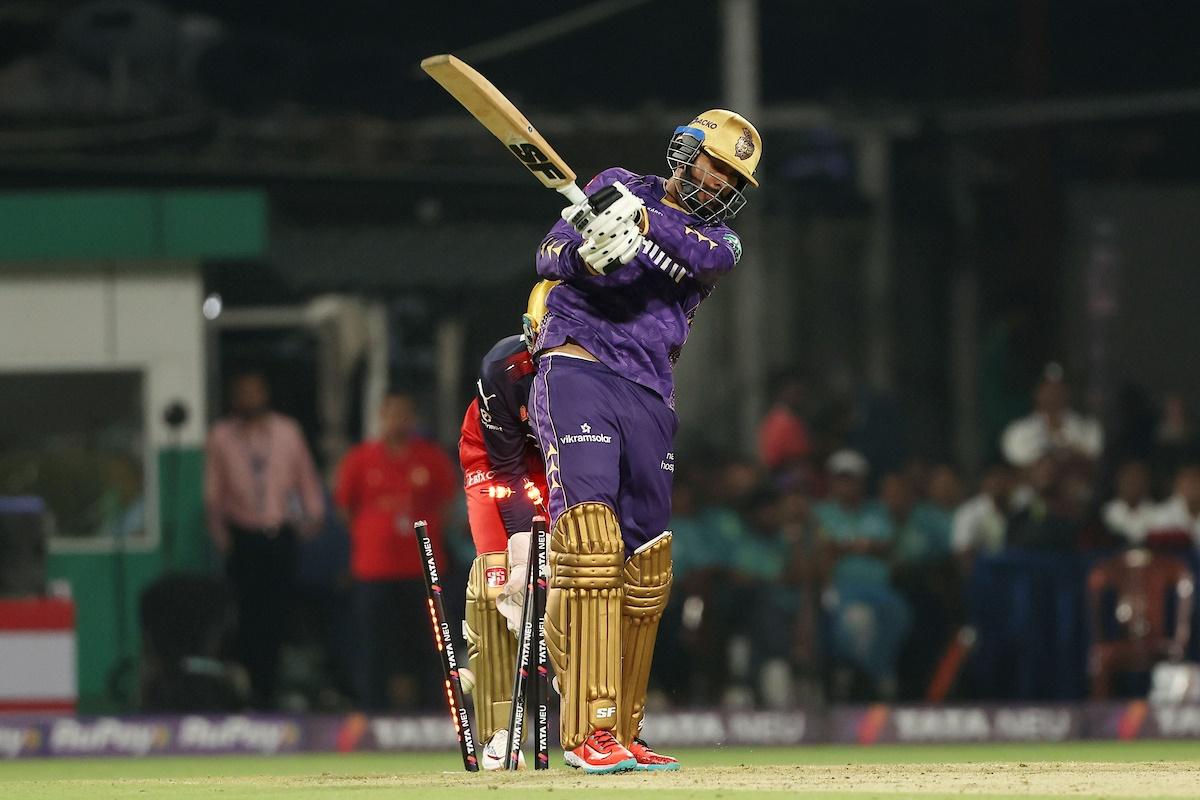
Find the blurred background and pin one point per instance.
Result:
(938, 436)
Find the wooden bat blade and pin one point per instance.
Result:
(488, 105)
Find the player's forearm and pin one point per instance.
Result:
(558, 255)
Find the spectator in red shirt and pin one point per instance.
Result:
(783, 437)
(383, 487)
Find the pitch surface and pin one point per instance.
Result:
(1107, 769)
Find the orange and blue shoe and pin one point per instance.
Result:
(650, 761)
(600, 754)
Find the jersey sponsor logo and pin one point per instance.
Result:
(735, 244)
(668, 463)
(495, 577)
(663, 261)
(524, 414)
(483, 395)
(585, 435)
(535, 160)
(476, 477)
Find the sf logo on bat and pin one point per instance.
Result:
(535, 160)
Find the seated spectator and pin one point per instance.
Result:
(1181, 511)
(1176, 440)
(783, 437)
(924, 575)
(921, 533)
(1056, 515)
(1052, 428)
(690, 662)
(1132, 513)
(979, 524)
(763, 562)
(870, 620)
(945, 488)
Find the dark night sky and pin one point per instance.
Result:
(361, 54)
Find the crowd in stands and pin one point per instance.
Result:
(812, 573)
(830, 567)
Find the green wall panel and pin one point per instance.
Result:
(95, 580)
(132, 225)
(76, 225)
(213, 224)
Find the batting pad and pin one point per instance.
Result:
(491, 648)
(583, 618)
(647, 587)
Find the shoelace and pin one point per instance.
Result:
(605, 739)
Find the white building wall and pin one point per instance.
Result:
(142, 317)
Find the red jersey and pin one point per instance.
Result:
(383, 494)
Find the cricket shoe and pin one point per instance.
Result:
(495, 753)
(650, 761)
(600, 753)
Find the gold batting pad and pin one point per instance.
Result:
(583, 619)
(491, 648)
(647, 587)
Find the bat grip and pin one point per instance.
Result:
(573, 193)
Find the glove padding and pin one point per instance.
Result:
(511, 599)
(605, 210)
(613, 250)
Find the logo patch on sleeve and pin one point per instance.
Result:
(735, 244)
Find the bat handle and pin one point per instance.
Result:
(573, 193)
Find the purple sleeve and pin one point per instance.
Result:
(558, 255)
(706, 251)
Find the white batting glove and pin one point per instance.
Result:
(616, 249)
(611, 206)
(605, 209)
(511, 599)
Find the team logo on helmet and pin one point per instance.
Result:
(743, 148)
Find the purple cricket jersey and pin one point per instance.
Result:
(636, 319)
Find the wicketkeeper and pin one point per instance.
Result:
(505, 482)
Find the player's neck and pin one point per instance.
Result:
(396, 444)
(669, 197)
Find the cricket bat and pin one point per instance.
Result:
(501, 117)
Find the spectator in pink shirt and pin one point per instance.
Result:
(261, 492)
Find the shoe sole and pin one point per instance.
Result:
(673, 767)
(627, 765)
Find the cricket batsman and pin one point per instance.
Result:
(634, 262)
(505, 483)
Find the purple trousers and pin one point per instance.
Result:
(605, 439)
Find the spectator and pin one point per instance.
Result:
(783, 437)
(763, 562)
(1055, 517)
(1132, 513)
(922, 533)
(261, 492)
(923, 574)
(383, 487)
(869, 619)
(1052, 428)
(1176, 440)
(1181, 511)
(979, 524)
(945, 488)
